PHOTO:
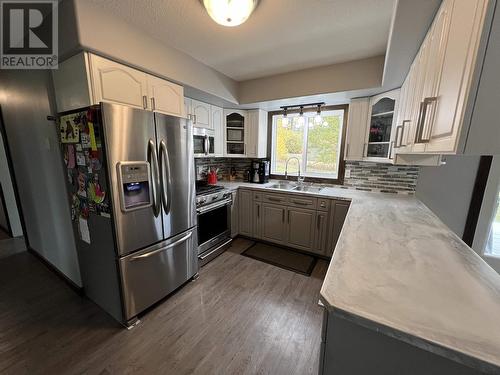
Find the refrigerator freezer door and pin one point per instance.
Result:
(130, 137)
(175, 141)
(151, 274)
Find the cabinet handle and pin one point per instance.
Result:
(391, 146)
(396, 137)
(403, 128)
(422, 114)
(347, 150)
(144, 101)
(194, 118)
(258, 211)
(153, 106)
(301, 203)
(272, 199)
(288, 217)
(283, 216)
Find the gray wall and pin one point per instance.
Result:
(10, 208)
(26, 100)
(447, 190)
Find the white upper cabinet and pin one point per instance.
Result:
(443, 88)
(357, 119)
(117, 83)
(235, 132)
(371, 124)
(165, 97)
(379, 139)
(200, 114)
(87, 79)
(217, 122)
(257, 134)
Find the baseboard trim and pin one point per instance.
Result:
(78, 289)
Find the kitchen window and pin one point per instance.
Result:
(316, 142)
(487, 235)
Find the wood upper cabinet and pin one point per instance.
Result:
(380, 132)
(273, 223)
(235, 132)
(86, 79)
(117, 83)
(445, 87)
(301, 228)
(245, 209)
(338, 213)
(200, 114)
(217, 122)
(257, 134)
(357, 119)
(165, 97)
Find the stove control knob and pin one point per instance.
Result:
(226, 195)
(215, 197)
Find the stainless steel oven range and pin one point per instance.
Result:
(213, 207)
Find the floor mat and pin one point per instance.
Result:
(280, 257)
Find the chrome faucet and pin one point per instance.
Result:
(300, 179)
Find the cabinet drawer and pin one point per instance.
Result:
(302, 202)
(274, 198)
(323, 204)
(257, 196)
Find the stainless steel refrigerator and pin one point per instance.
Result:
(131, 183)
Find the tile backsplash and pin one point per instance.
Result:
(368, 176)
(224, 165)
(387, 178)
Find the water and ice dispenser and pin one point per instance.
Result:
(135, 192)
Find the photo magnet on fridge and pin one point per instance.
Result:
(70, 151)
(69, 127)
(80, 159)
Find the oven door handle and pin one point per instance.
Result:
(214, 206)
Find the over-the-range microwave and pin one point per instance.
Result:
(203, 142)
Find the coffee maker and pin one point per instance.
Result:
(260, 171)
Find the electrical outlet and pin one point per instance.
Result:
(347, 173)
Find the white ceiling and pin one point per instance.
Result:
(281, 36)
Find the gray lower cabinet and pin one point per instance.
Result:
(338, 213)
(321, 238)
(301, 222)
(301, 228)
(234, 215)
(245, 209)
(273, 227)
(257, 220)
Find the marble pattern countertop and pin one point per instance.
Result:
(399, 270)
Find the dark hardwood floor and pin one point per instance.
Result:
(241, 316)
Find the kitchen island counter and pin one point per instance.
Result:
(398, 270)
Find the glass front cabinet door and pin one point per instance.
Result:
(380, 135)
(235, 132)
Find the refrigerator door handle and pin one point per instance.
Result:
(147, 255)
(165, 176)
(155, 176)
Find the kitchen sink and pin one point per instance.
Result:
(310, 189)
(283, 186)
(295, 187)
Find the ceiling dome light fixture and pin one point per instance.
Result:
(230, 12)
